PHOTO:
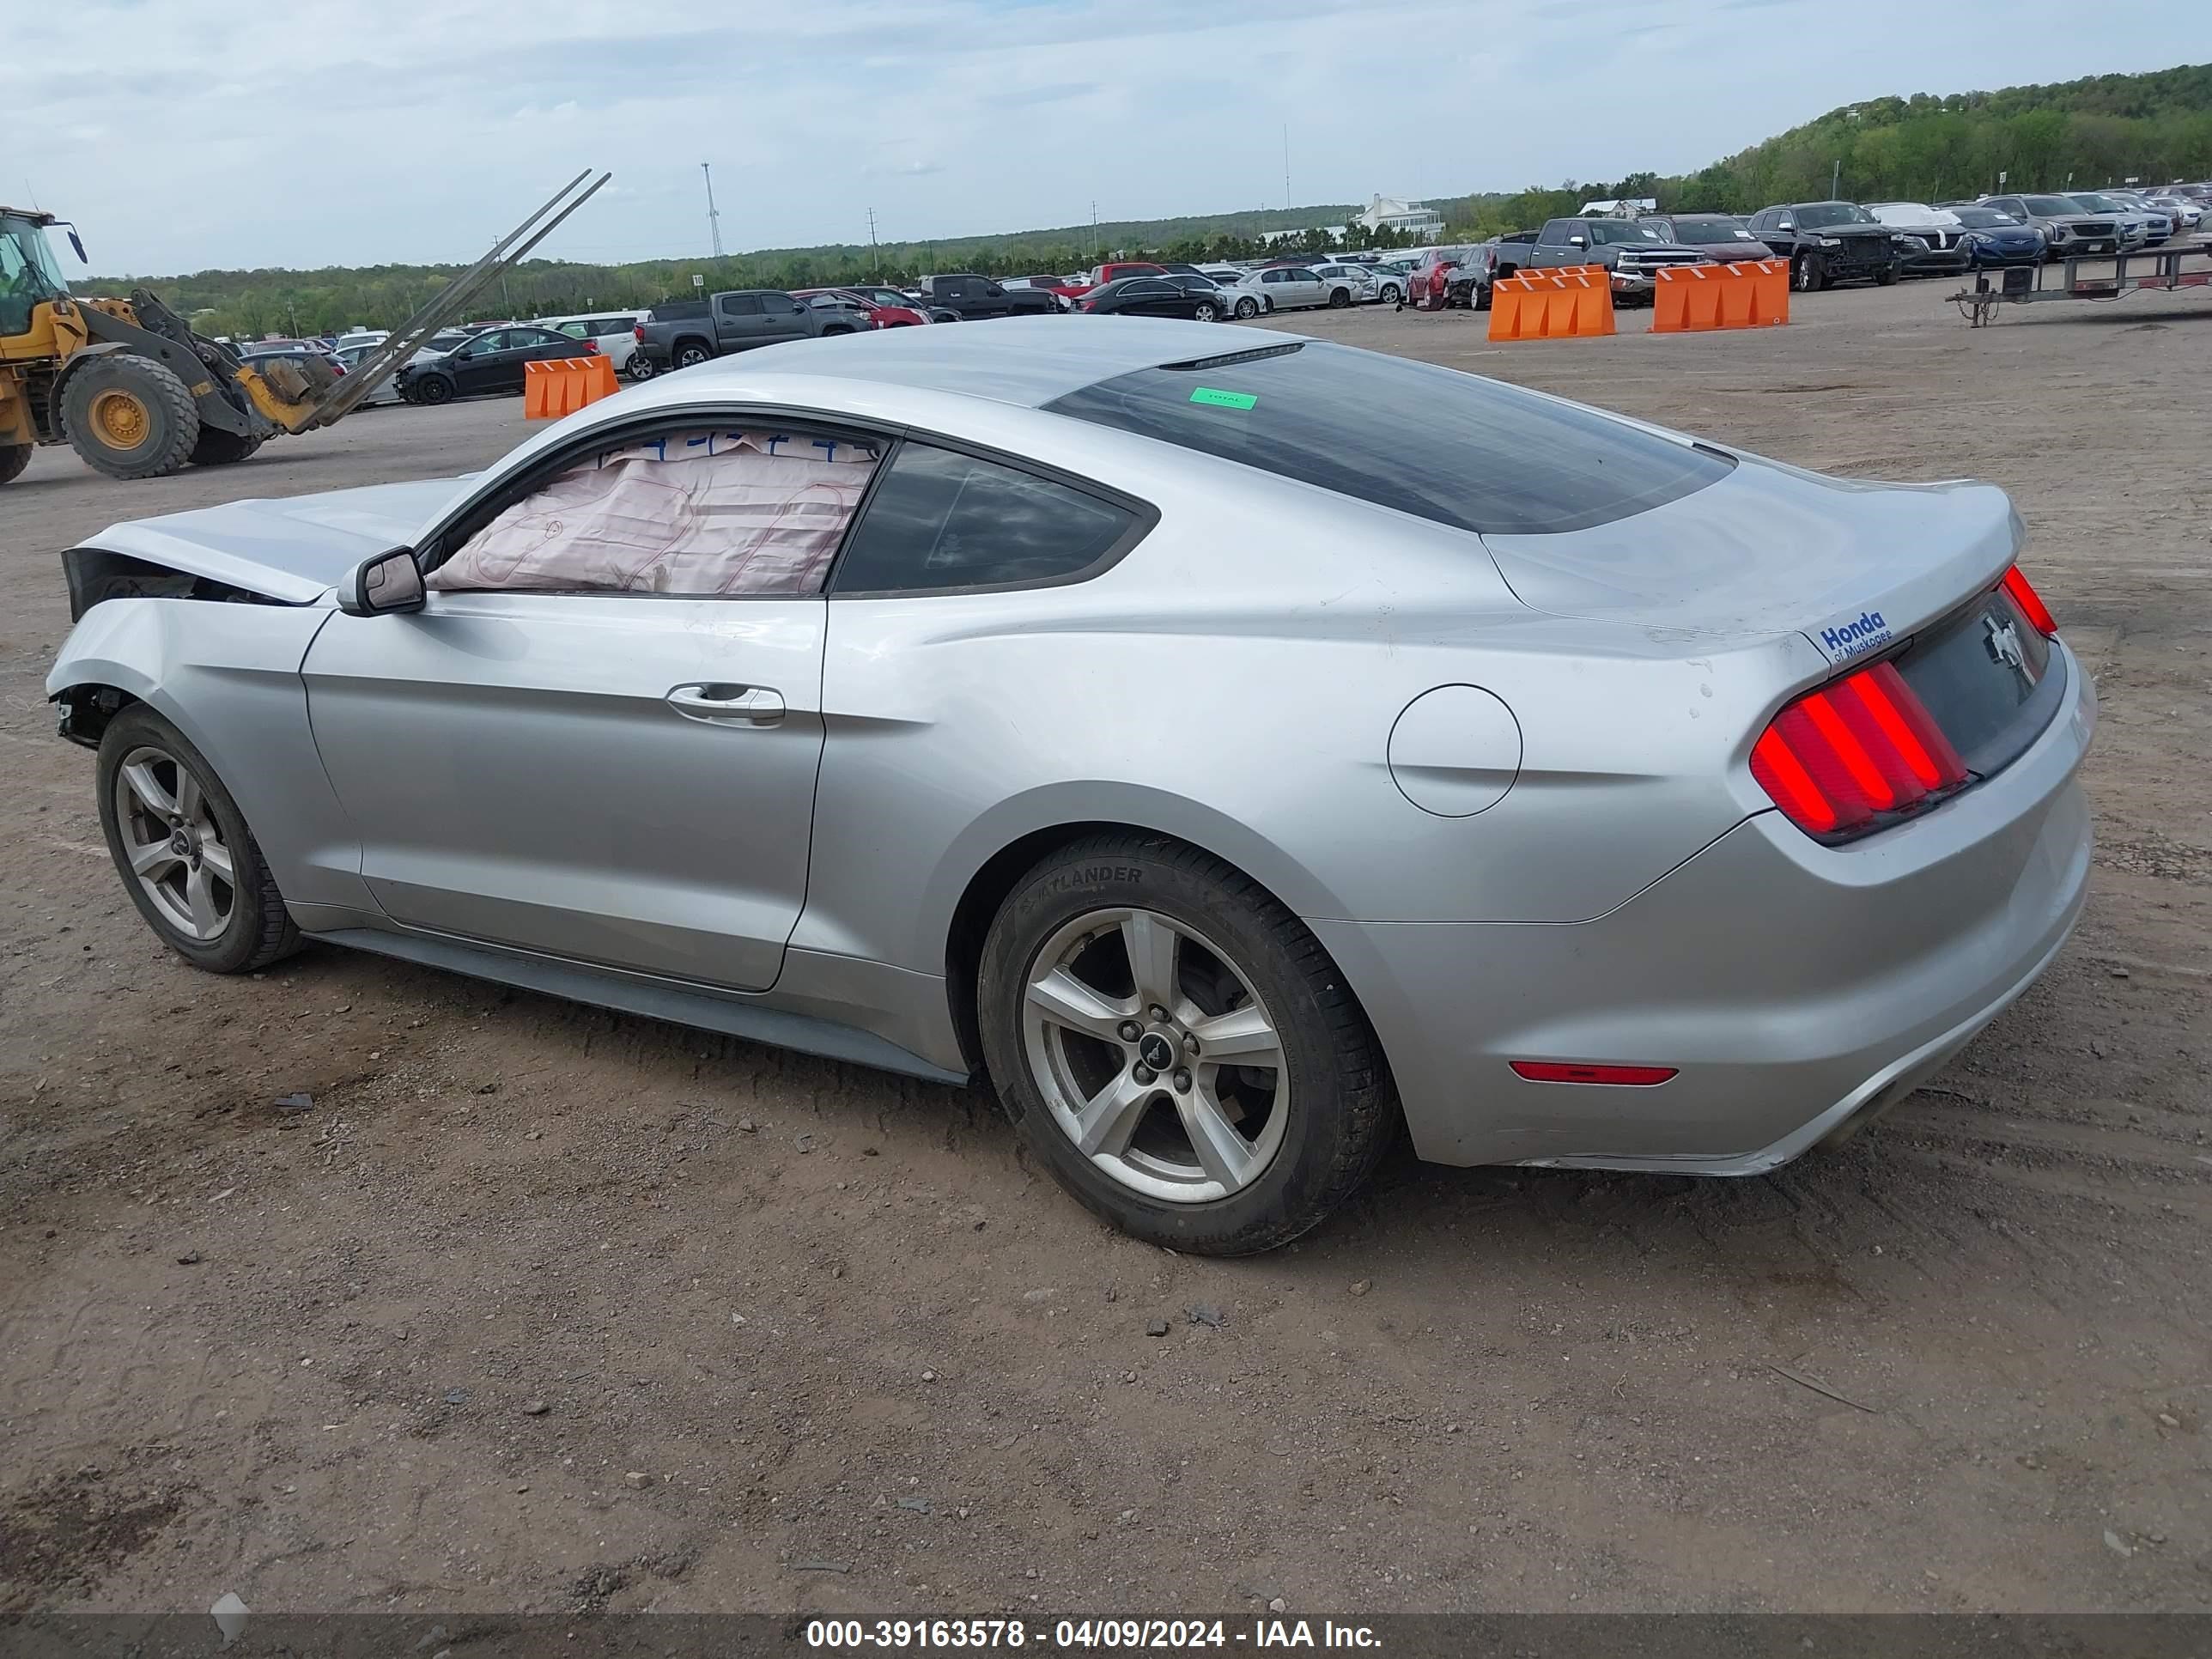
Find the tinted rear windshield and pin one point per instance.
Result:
(1461, 451)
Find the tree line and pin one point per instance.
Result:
(2103, 130)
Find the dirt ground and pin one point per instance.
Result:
(542, 1307)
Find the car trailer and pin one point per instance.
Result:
(2165, 269)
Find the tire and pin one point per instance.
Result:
(1322, 1112)
(219, 448)
(130, 417)
(1481, 297)
(1391, 294)
(14, 458)
(1887, 277)
(255, 929)
(1247, 309)
(640, 367)
(433, 389)
(690, 353)
(1339, 298)
(1206, 312)
(1806, 274)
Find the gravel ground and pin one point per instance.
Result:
(541, 1308)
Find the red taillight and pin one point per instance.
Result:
(1840, 756)
(1549, 1071)
(591, 348)
(640, 332)
(2030, 603)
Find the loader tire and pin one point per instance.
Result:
(216, 447)
(130, 417)
(14, 458)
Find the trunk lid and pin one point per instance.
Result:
(294, 551)
(1769, 550)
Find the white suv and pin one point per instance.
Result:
(615, 332)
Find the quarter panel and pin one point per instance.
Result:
(227, 677)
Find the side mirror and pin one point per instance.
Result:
(77, 242)
(1785, 224)
(1577, 241)
(388, 582)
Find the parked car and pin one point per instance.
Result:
(358, 336)
(1996, 238)
(1630, 251)
(1349, 285)
(615, 333)
(1246, 297)
(1191, 297)
(2069, 230)
(1716, 235)
(487, 363)
(2139, 227)
(1113, 271)
(1467, 280)
(387, 391)
(871, 311)
(1290, 288)
(970, 298)
(1451, 862)
(741, 319)
(1935, 242)
(894, 301)
(2185, 213)
(1829, 242)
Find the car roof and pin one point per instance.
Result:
(1024, 361)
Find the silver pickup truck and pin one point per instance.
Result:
(1630, 251)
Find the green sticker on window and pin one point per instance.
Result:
(1207, 394)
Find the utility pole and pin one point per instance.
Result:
(713, 218)
(1836, 179)
(875, 253)
(1286, 167)
(1094, 232)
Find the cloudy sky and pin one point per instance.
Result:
(183, 134)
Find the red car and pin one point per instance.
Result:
(884, 307)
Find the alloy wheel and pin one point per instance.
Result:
(1155, 1056)
(175, 848)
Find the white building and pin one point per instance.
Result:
(1628, 207)
(1388, 213)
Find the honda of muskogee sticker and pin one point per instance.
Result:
(1843, 640)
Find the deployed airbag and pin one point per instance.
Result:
(694, 513)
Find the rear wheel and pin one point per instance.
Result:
(216, 447)
(1178, 1048)
(1339, 298)
(130, 417)
(640, 367)
(690, 353)
(14, 458)
(1206, 311)
(186, 858)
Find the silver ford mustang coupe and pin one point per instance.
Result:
(1151, 721)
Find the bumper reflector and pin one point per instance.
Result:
(1552, 1070)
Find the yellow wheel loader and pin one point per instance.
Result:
(129, 387)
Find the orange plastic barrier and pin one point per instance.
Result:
(1754, 293)
(564, 385)
(1551, 305)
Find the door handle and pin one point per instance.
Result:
(720, 703)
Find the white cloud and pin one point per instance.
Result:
(370, 131)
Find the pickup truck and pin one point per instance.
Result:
(969, 297)
(1629, 251)
(682, 332)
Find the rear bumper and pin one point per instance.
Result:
(1799, 988)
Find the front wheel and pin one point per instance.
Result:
(130, 417)
(1805, 275)
(1178, 1048)
(1888, 276)
(1391, 294)
(1247, 309)
(186, 858)
(434, 389)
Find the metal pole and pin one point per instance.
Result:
(713, 218)
(1286, 167)
(1836, 179)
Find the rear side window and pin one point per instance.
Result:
(1451, 447)
(940, 521)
